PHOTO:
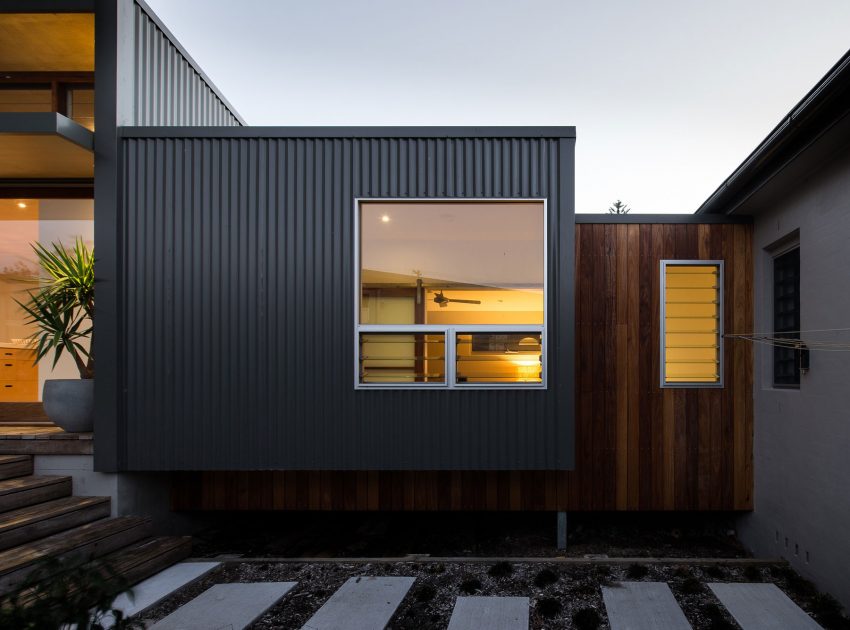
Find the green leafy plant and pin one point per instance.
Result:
(62, 307)
(63, 592)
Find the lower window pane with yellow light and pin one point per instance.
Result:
(513, 357)
(401, 358)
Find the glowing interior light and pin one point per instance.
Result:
(21, 204)
(385, 218)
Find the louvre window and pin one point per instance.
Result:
(691, 323)
(786, 317)
(402, 358)
(498, 358)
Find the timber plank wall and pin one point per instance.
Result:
(638, 446)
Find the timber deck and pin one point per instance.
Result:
(41, 519)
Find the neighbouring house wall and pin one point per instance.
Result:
(236, 344)
(638, 446)
(802, 436)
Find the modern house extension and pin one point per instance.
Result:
(415, 318)
(388, 318)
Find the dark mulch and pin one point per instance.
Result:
(468, 534)
(562, 596)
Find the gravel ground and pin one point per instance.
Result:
(562, 595)
(340, 535)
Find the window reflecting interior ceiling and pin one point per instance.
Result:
(452, 263)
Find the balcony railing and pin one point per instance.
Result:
(68, 93)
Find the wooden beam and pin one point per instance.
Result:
(44, 78)
(35, 191)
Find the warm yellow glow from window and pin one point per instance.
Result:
(472, 272)
(498, 358)
(387, 358)
(691, 323)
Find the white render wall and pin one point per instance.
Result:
(141, 494)
(802, 437)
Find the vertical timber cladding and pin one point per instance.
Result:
(638, 446)
(238, 300)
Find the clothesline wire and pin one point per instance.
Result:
(768, 342)
(811, 330)
(794, 343)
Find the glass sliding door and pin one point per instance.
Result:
(22, 223)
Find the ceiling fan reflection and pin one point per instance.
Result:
(443, 301)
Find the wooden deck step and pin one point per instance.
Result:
(32, 489)
(148, 557)
(12, 466)
(138, 562)
(44, 441)
(76, 546)
(37, 521)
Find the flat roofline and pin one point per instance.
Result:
(46, 123)
(587, 217)
(347, 132)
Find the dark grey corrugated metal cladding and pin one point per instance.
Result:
(237, 298)
(170, 89)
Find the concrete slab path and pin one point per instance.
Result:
(643, 606)
(232, 606)
(157, 587)
(362, 603)
(490, 613)
(762, 607)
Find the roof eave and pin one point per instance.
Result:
(725, 199)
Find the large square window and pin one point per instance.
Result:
(451, 293)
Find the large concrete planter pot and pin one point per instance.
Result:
(69, 403)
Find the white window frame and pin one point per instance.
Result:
(663, 322)
(450, 331)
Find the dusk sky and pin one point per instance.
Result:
(668, 96)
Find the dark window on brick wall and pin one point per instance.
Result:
(786, 317)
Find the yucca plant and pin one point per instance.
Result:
(62, 307)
